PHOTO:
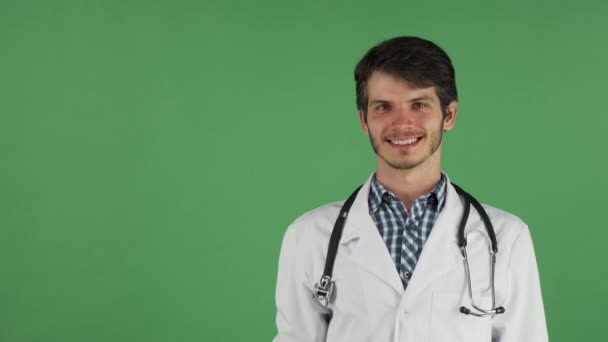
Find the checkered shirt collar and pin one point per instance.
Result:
(378, 193)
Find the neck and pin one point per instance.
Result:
(409, 184)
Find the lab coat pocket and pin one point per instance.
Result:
(449, 324)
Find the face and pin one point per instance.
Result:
(405, 124)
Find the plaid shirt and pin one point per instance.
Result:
(405, 233)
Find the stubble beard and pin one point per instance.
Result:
(436, 138)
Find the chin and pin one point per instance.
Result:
(405, 165)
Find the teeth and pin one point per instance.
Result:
(404, 142)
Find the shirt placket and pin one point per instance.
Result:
(413, 230)
(409, 244)
(404, 233)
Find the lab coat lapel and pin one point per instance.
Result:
(369, 251)
(440, 251)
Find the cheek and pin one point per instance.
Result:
(379, 124)
(429, 118)
(378, 132)
(431, 122)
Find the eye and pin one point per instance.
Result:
(383, 107)
(419, 105)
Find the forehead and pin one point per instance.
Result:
(388, 86)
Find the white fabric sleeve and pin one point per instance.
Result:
(524, 316)
(300, 318)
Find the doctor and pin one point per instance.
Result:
(399, 274)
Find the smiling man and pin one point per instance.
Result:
(412, 256)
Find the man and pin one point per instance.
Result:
(399, 273)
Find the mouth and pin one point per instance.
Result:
(405, 143)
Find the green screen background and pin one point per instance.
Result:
(153, 153)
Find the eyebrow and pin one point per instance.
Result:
(419, 98)
(374, 101)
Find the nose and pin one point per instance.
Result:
(402, 115)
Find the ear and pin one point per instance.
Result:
(363, 123)
(450, 117)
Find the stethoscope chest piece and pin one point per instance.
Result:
(324, 290)
(462, 242)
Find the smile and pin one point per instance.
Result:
(405, 142)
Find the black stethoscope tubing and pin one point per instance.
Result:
(324, 289)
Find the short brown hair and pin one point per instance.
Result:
(414, 59)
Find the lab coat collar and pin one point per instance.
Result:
(370, 252)
(358, 217)
(440, 251)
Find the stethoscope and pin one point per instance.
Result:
(324, 289)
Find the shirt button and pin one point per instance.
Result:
(408, 275)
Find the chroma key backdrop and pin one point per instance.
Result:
(152, 153)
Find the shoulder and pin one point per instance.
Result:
(503, 217)
(306, 239)
(317, 221)
(507, 226)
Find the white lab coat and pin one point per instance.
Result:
(370, 303)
